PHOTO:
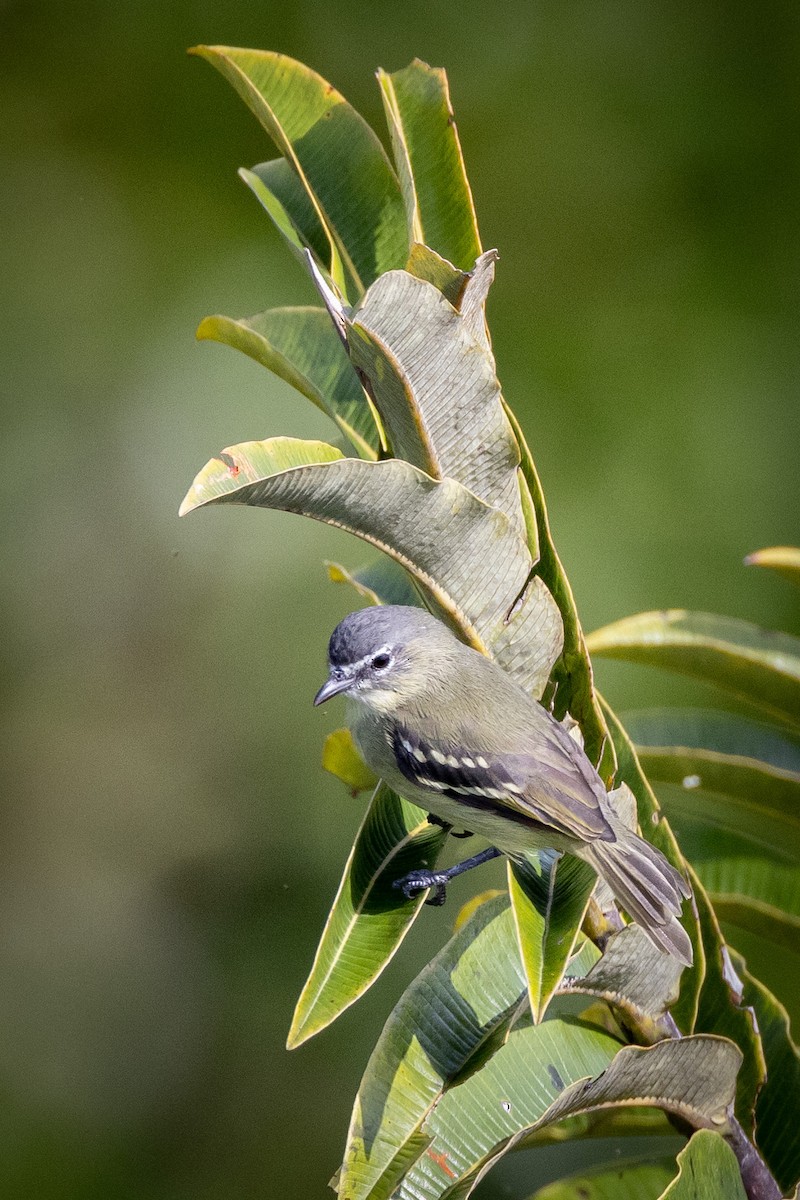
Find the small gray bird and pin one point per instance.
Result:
(447, 728)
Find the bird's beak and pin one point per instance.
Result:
(331, 687)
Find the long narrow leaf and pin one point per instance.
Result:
(783, 559)
(285, 199)
(759, 665)
(301, 347)
(369, 917)
(778, 1104)
(575, 685)
(549, 894)
(429, 162)
(720, 752)
(657, 829)
(460, 1004)
(722, 1010)
(334, 153)
(460, 551)
(746, 852)
(560, 1069)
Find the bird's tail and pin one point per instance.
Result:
(649, 889)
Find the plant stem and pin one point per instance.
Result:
(758, 1182)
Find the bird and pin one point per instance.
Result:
(448, 729)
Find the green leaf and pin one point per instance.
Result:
(707, 1171)
(732, 789)
(633, 977)
(339, 160)
(573, 674)
(464, 555)
(281, 192)
(460, 1006)
(475, 1121)
(759, 665)
(721, 1010)
(622, 1181)
(340, 757)
(656, 829)
(765, 920)
(300, 345)
(783, 559)
(558, 1069)
(778, 1104)
(369, 917)
(720, 752)
(747, 854)
(549, 894)
(382, 582)
(428, 155)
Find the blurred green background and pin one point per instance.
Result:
(170, 845)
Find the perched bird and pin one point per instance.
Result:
(448, 729)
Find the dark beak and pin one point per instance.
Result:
(331, 687)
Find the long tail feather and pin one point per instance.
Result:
(647, 886)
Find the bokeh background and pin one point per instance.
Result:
(170, 844)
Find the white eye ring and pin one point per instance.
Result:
(381, 661)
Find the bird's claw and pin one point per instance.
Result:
(419, 881)
(447, 827)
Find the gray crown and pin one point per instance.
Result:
(367, 629)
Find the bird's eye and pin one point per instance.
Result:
(380, 661)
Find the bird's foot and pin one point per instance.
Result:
(419, 881)
(434, 820)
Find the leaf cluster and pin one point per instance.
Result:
(543, 1013)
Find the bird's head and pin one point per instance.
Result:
(383, 656)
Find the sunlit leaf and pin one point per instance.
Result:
(549, 894)
(429, 162)
(369, 917)
(784, 559)
(426, 264)
(759, 665)
(558, 1069)
(463, 554)
(340, 161)
(340, 757)
(301, 346)
(473, 904)
(460, 1004)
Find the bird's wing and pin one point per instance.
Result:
(550, 781)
